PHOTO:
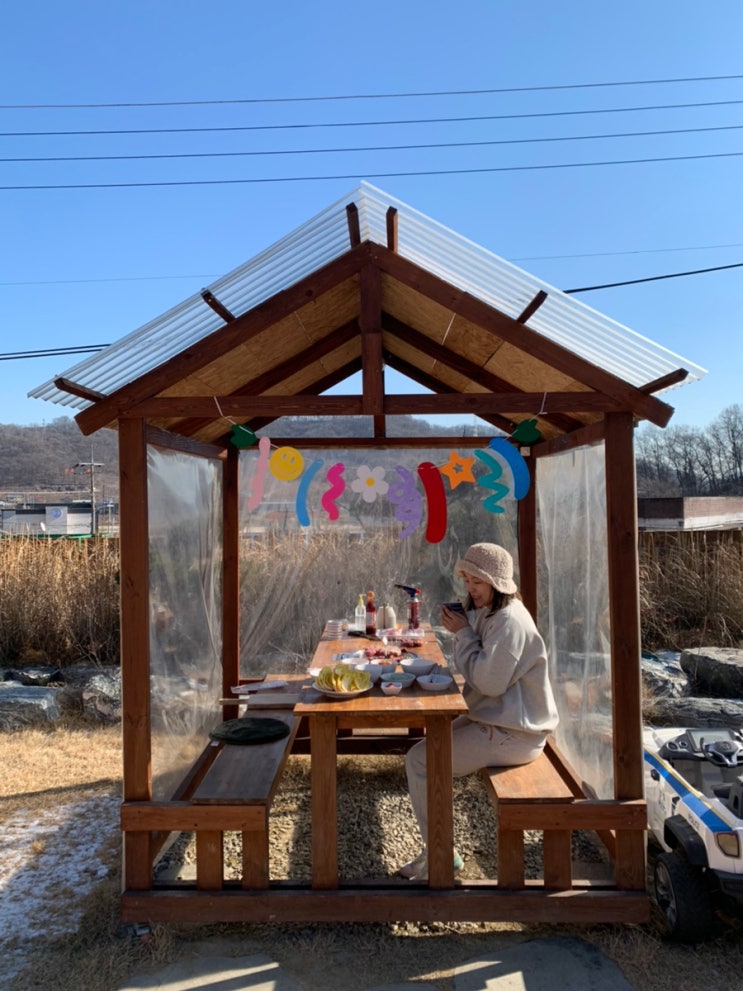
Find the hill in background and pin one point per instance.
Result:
(37, 463)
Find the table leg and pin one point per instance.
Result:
(324, 802)
(440, 800)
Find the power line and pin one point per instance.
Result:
(654, 278)
(369, 148)
(370, 175)
(363, 123)
(363, 96)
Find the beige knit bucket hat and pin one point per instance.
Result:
(490, 563)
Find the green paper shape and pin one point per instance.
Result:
(526, 432)
(242, 436)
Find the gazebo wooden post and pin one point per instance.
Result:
(135, 642)
(626, 647)
(230, 576)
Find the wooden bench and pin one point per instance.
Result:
(248, 777)
(538, 795)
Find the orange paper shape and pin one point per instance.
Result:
(458, 469)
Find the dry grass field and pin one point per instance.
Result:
(73, 938)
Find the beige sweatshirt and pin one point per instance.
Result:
(503, 660)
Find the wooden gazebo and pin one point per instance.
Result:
(371, 285)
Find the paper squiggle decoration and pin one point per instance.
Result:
(256, 491)
(515, 461)
(433, 485)
(407, 500)
(336, 490)
(490, 481)
(301, 501)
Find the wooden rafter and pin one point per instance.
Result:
(262, 383)
(243, 329)
(505, 328)
(211, 300)
(465, 367)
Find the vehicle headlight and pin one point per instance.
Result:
(728, 843)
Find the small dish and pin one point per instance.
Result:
(402, 678)
(414, 664)
(391, 687)
(435, 682)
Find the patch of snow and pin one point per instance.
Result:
(49, 863)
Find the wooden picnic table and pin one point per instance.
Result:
(413, 708)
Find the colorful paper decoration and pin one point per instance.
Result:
(458, 469)
(490, 481)
(527, 432)
(370, 483)
(256, 492)
(301, 501)
(242, 436)
(433, 485)
(287, 464)
(515, 461)
(407, 500)
(336, 490)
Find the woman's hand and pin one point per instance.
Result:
(453, 621)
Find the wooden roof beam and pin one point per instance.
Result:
(262, 383)
(302, 404)
(354, 230)
(78, 390)
(392, 228)
(372, 365)
(521, 336)
(531, 308)
(464, 366)
(665, 381)
(241, 330)
(211, 300)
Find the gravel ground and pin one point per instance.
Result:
(378, 831)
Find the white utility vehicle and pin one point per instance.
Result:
(694, 792)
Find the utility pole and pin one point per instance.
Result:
(90, 467)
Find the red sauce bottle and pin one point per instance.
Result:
(371, 614)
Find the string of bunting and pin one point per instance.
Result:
(287, 464)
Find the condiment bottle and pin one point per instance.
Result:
(360, 613)
(371, 614)
(387, 617)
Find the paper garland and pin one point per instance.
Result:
(287, 464)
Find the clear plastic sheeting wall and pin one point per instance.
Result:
(185, 507)
(574, 608)
(301, 565)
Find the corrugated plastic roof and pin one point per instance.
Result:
(446, 254)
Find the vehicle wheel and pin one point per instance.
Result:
(683, 896)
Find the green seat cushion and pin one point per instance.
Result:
(250, 730)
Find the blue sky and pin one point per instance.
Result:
(84, 266)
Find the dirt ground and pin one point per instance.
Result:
(66, 930)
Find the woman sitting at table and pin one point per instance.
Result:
(503, 660)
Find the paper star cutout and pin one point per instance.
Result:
(458, 469)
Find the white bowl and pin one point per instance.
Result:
(391, 687)
(417, 665)
(403, 678)
(435, 682)
(375, 670)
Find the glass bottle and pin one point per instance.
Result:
(359, 618)
(371, 614)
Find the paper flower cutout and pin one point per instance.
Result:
(370, 483)
(458, 469)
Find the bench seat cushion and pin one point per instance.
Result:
(250, 730)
